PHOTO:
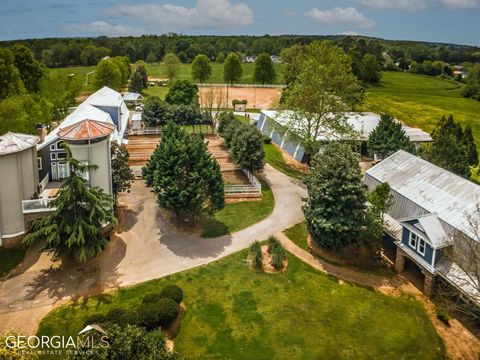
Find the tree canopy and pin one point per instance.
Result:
(264, 71)
(201, 68)
(73, 227)
(10, 80)
(182, 92)
(232, 68)
(172, 63)
(335, 208)
(389, 137)
(108, 74)
(139, 79)
(122, 175)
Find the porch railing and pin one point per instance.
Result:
(37, 205)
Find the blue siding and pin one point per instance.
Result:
(428, 249)
(114, 113)
(44, 154)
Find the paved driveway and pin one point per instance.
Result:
(144, 247)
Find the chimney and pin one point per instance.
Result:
(41, 132)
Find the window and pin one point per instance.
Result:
(413, 240)
(62, 155)
(53, 156)
(52, 147)
(421, 246)
(63, 171)
(59, 145)
(54, 171)
(39, 163)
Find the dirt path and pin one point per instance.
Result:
(461, 344)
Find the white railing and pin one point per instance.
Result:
(253, 180)
(37, 205)
(146, 131)
(43, 184)
(271, 86)
(240, 189)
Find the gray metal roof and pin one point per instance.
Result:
(452, 198)
(14, 142)
(432, 227)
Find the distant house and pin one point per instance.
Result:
(250, 59)
(430, 215)
(132, 98)
(105, 105)
(276, 59)
(274, 124)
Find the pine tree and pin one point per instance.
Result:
(389, 137)
(183, 174)
(471, 148)
(74, 226)
(335, 209)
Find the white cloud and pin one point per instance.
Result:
(206, 14)
(418, 5)
(341, 16)
(104, 28)
(350, 32)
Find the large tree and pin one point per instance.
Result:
(247, 148)
(31, 70)
(61, 92)
(232, 68)
(184, 175)
(470, 146)
(335, 208)
(264, 70)
(201, 68)
(123, 65)
(139, 80)
(122, 175)
(10, 80)
(74, 226)
(322, 89)
(108, 74)
(370, 69)
(389, 137)
(172, 64)
(156, 112)
(182, 92)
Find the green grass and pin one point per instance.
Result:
(233, 312)
(9, 259)
(238, 216)
(421, 101)
(243, 119)
(298, 234)
(160, 91)
(274, 157)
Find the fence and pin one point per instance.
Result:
(254, 189)
(37, 205)
(43, 184)
(268, 86)
(146, 131)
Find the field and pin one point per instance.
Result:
(421, 101)
(233, 312)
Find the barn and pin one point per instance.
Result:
(273, 124)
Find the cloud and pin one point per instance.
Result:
(206, 14)
(350, 32)
(104, 28)
(418, 5)
(341, 16)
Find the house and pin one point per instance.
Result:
(276, 59)
(105, 105)
(274, 124)
(250, 59)
(132, 98)
(429, 219)
(18, 182)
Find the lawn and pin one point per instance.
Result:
(9, 259)
(274, 157)
(420, 101)
(236, 313)
(238, 216)
(298, 234)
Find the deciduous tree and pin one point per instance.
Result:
(172, 64)
(232, 68)
(31, 71)
(108, 74)
(122, 175)
(10, 81)
(182, 92)
(201, 68)
(264, 70)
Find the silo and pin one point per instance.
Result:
(18, 180)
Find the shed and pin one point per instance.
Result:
(132, 98)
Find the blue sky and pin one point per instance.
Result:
(453, 21)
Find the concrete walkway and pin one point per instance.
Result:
(144, 247)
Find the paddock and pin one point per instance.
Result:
(258, 97)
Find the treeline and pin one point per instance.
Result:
(151, 48)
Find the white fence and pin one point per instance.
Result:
(37, 205)
(43, 184)
(269, 86)
(254, 189)
(146, 131)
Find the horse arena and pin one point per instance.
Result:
(257, 97)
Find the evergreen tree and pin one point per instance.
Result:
(247, 149)
(122, 175)
(184, 175)
(139, 80)
(471, 148)
(232, 68)
(389, 137)
(264, 71)
(335, 207)
(156, 112)
(201, 68)
(183, 92)
(73, 228)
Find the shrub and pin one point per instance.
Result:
(266, 139)
(122, 317)
(256, 255)
(172, 292)
(161, 313)
(97, 318)
(151, 298)
(277, 252)
(442, 315)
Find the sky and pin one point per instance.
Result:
(448, 21)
